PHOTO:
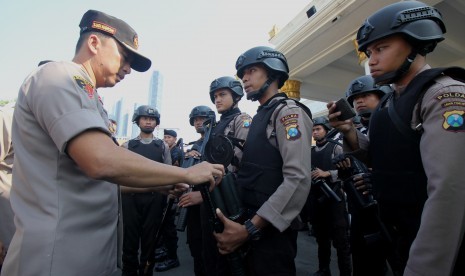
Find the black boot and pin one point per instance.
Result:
(167, 265)
(323, 272)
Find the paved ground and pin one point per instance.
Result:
(306, 261)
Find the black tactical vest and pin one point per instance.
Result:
(398, 171)
(398, 174)
(225, 120)
(261, 171)
(153, 151)
(322, 159)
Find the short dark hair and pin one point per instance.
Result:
(84, 36)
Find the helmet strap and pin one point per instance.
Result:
(256, 95)
(394, 76)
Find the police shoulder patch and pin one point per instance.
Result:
(291, 126)
(453, 121)
(85, 85)
(246, 121)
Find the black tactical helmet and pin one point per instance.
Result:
(148, 111)
(274, 61)
(365, 84)
(420, 24)
(199, 111)
(230, 83)
(322, 121)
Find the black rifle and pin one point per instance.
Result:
(148, 269)
(234, 258)
(180, 146)
(365, 204)
(184, 211)
(327, 191)
(166, 212)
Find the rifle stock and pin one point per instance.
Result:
(234, 259)
(327, 191)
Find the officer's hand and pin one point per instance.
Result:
(362, 183)
(178, 189)
(318, 173)
(205, 173)
(342, 162)
(342, 126)
(233, 235)
(193, 153)
(190, 199)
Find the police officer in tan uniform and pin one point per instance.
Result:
(415, 140)
(225, 93)
(7, 227)
(275, 173)
(66, 165)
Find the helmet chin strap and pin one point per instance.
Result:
(394, 76)
(147, 130)
(365, 113)
(256, 95)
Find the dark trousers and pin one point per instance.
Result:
(273, 254)
(367, 244)
(142, 214)
(330, 223)
(170, 235)
(194, 239)
(215, 264)
(402, 222)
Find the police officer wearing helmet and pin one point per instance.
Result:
(197, 116)
(273, 181)
(142, 208)
(416, 139)
(367, 259)
(225, 93)
(329, 217)
(364, 96)
(193, 199)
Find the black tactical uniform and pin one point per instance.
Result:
(142, 211)
(368, 258)
(166, 252)
(194, 227)
(329, 217)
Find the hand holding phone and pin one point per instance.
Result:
(346, 110)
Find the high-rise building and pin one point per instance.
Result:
(117, 111)
(135, 129)
(156, 91)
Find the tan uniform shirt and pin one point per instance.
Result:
(66, 222)
(240, 127)
(7, 227)
(435, 248)
(286, 203)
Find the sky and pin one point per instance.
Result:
(191, 42)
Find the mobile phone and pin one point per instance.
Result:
(346, 110)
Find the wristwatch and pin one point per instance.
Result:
(254, 233)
